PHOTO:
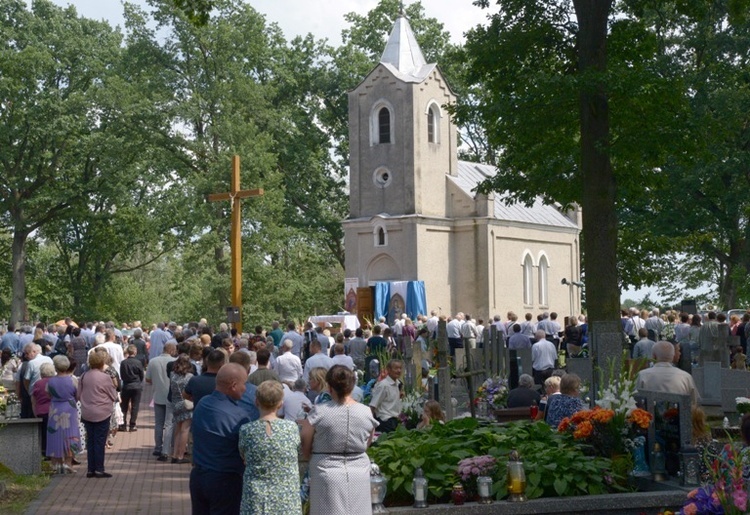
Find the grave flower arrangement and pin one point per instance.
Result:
(726, 495)
(469, 469)
(607, 431)
(743, 405)
(495, 392)
(615, 423)
(411, 409)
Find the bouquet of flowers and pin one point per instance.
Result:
(743, 405)
(607, 430)
(469, 469)
(726, 495)
(495, 391)
(411, 410)
(615, 422)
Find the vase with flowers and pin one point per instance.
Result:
(494, 392)
(470, 469)
(613, 427)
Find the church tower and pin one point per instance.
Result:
(402, 142)
(415, 218)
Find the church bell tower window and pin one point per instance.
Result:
(381, 236)
(432, 125)
(384, 125)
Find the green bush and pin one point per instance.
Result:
(554, 464)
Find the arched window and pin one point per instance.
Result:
(381, 236)
(384, 125)
(381, 123)
(528, 280)
(433, 124)
(543, 292)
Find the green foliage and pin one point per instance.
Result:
(554, 465)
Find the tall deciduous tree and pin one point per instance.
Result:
(54, 66)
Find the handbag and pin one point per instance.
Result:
(189, 405)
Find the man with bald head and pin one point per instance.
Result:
(216, 478)
(664, 377)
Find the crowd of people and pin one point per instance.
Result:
(254, 404)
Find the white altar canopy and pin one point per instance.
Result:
(346, 321)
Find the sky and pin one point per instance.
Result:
(322, 18)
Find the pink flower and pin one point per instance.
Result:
(475, 471)
(692, 493)
(690, 509)
(740, 499)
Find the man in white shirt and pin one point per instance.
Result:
(36, 360)
(453, 330)
(469, 333)
(295, 401)
(317, 359)
(288, 366)
(664, 377)
(114, 349)
(339, 358)
(156, 374)
(543, 356)
(386, 398)
(432, 324)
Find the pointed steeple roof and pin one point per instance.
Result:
(402, 53)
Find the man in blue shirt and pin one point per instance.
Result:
(10, 340)
(216, 478)
(158, 338)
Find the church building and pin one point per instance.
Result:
(415, 217)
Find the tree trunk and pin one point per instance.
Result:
(599, 186)
(18, 267)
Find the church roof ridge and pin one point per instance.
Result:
(402, 51)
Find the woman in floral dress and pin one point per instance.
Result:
(63, 436)
(183, 411)
(269, 447)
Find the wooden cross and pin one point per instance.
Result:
(234, 197)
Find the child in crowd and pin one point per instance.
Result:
(431, 412)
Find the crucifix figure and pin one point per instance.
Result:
(234, 197)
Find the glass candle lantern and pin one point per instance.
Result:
(378, 489)
(516, 478)
(658, 463)
(484, 486)
(419, 488)
(12, 407)
(690, 465)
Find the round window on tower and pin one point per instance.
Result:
(382, 177)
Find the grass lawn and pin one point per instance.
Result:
(20, 491)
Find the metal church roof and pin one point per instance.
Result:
(471, 174)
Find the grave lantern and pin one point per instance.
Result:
(419, 488)
(516, 478)
(378, 489)
(690, 466)
(484, 486)
(658, 463)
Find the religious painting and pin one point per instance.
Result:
(396, 308)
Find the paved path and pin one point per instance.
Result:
(140, 484)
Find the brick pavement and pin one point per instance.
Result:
(140, 484)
